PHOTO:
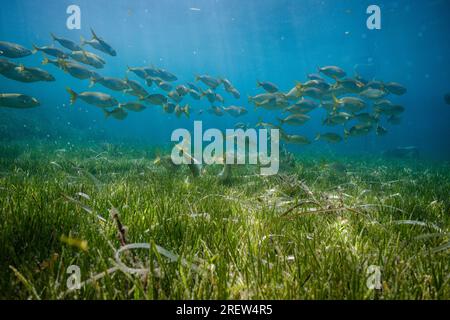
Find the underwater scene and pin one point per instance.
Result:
(225, 149)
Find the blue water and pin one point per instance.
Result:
(243, 40)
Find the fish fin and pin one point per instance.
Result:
(53, 36)
(258, 83)
(280, 120)
(21, 67)
(73, 95)
(317, 138)
(1, 52)
(45, 61)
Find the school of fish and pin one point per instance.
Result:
(360, 106)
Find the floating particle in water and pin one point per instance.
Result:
(195, 9)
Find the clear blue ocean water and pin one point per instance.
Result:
(280, 41)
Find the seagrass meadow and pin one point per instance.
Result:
(310, 232)
(348, 100)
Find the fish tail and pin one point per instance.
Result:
(186, 110)
(106, 113)
(299, 89)
(45, 61)
(259, 123)
(197, 78)
(317, 138)
(94, 36)
(53, 36)
(92, 82)
(346, 134)
(258, 83)
(360, 85)
(35, 48)
(157, 160)
(73, 95)
(280, 120)
(62, 63)
(335, 101)
(82, 40)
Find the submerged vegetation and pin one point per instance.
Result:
(310, 232)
